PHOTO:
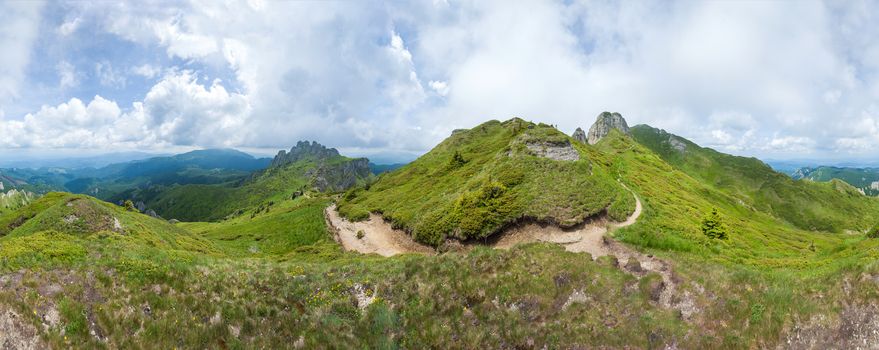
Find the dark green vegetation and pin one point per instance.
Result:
(865, 179)
(96, 275)
(478, 181)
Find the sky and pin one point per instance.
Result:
(771, 79)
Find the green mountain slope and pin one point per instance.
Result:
(478, 181)
(834, 206)
(307, 167)
(864, 179)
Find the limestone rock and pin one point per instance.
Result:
(555, 151)
(580, 135)
(304, 150)
(329, 172)
(606, 122)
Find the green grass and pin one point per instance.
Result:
(498, 183)
(832, 206)
(280, 229)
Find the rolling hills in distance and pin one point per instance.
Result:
(720, 252)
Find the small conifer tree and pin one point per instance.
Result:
(129, 205)
(457, 160)
(713, 226)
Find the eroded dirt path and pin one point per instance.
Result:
(378, 236)
(589, 237)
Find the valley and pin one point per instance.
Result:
(510, 234)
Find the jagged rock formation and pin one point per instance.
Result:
(580, 135)
(303, 150)
(340, 176)
(605, 122)
(14, 199)
(333, 172)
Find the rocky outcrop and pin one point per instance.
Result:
(338, 177)
(304, 150)
(606, 122)
(331, 172)
(555, 151)
(580, 135)
(14, 199)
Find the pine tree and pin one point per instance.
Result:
(713, 226)
(129, 205)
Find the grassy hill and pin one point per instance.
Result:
(271, 276)
(833, 206)
(478, 181)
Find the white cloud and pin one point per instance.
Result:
(147, 71)
(176, 111)
(832, 96)
(68, 27)
(183, 43)
(721, 136)
(790, 143)
(19, 25)
(108, 75)
(725, 74)
(67, 76)
(441, 87)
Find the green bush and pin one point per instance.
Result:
(873, 232)
(713, 226)
(481, 212)
(457, 160)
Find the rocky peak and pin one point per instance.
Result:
(605, 122)
(580, 135)
(303, 150)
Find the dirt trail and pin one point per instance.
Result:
(590, 237)
(378, 236)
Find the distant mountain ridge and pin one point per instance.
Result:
(866, 180)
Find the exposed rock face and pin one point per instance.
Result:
(339, 177)
(676, 143)
(604, 124)
(554, 151)
(303, 150)
(332, 172)
(580, 135)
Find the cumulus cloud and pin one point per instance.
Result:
(177, 111)
(146, 70)
(67, 76)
